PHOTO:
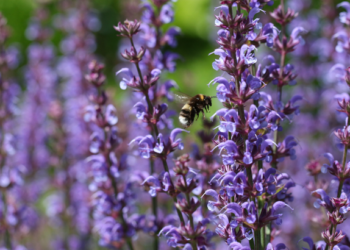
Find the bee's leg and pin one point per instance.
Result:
(202, 113)
(195, 113)
(198, 111)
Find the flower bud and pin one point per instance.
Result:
(339, 202)
(129, 28)
(332, 239)
(314, 168)
(96, 76)
(132, 55)
(335, 218)
(282, 17)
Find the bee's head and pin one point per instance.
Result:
(207, 100)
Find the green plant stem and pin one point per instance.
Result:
(165, 164)
(150, 107)
(267, 234)
(251, 244)
(257, 238)
(341, 182)
(250, 175)
(155, 129)
(263, 237)
(240, 109)
(274, 148)
(259, 233)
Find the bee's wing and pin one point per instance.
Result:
(181, 97)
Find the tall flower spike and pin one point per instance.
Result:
(111, 202)
(243, 136)
(148, 56)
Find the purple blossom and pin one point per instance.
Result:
(344, 16)
(270, 32)
(148, 146)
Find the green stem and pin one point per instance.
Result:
(257, 238)
(238, 9)
(274, 148)
(340, 188)
(260, 240)
(341, 182)
(250, 175)
(251, 244)
(267, 234)
(263, 237)
(150, 109)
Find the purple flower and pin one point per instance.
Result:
(141, 110)
(246, 54)
(154, 185)
(148, 35)
(343, 43)
(170, 36)
(270, 32)
(297, 34)
(279, 246)
(344, 16)
(312, 246)
(224, 87)
(147, 145)
(174, 238)
(166, 14)
(128, 80)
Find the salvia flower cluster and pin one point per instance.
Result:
(251, 192)
(83, 172)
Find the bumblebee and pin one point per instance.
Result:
(193, 106)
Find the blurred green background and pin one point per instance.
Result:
(197, 40)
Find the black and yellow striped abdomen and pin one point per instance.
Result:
(186, 115)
